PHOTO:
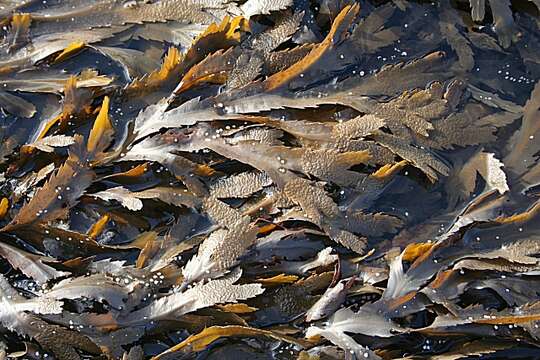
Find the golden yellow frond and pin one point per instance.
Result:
(102, 131)
(20, 22)
(98, 227)
(4, 206)
(70, 50)
(278, 279)
(413, 251)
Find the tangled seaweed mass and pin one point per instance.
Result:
(269, 179)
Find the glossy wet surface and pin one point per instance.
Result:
(269, 180)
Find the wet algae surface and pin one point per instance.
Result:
(288, 179)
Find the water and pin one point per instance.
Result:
(163, 178)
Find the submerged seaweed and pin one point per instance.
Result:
(259, 179)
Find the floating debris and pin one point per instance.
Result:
(269, 179)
